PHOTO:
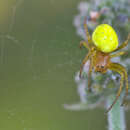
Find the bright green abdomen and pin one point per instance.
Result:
(105, 38)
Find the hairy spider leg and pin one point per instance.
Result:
(86, 30)
(127, 87)
(120, 69)
(118, 54)
(124, 44)
(126, 82)
(84, 61)
(85, 44)
(89, 73)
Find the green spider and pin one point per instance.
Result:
(104, 41)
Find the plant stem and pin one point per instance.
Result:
(116, 116)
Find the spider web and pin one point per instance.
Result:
(69, 61)
(8, 36)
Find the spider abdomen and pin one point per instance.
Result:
(105, 38)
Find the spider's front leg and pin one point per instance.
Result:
(84, 61)
(126, 83)
(84, 44)
(122, 71)
(89, 56)
(87, 45)
(86, 31)
(89, 73)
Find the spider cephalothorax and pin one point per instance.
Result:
(104, 41)
(102, 61)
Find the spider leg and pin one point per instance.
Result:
(121, 70)
(89, 73)
(118, 54)
(86, 30)
(126, 81)
(85, 44)
(124, 44)
(127, 86)
(84, 61)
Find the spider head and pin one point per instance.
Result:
(102, 61)
(101, 68)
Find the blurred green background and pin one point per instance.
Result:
(39, 57)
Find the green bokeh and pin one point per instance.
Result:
(37, 75)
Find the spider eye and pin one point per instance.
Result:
(102, 67)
